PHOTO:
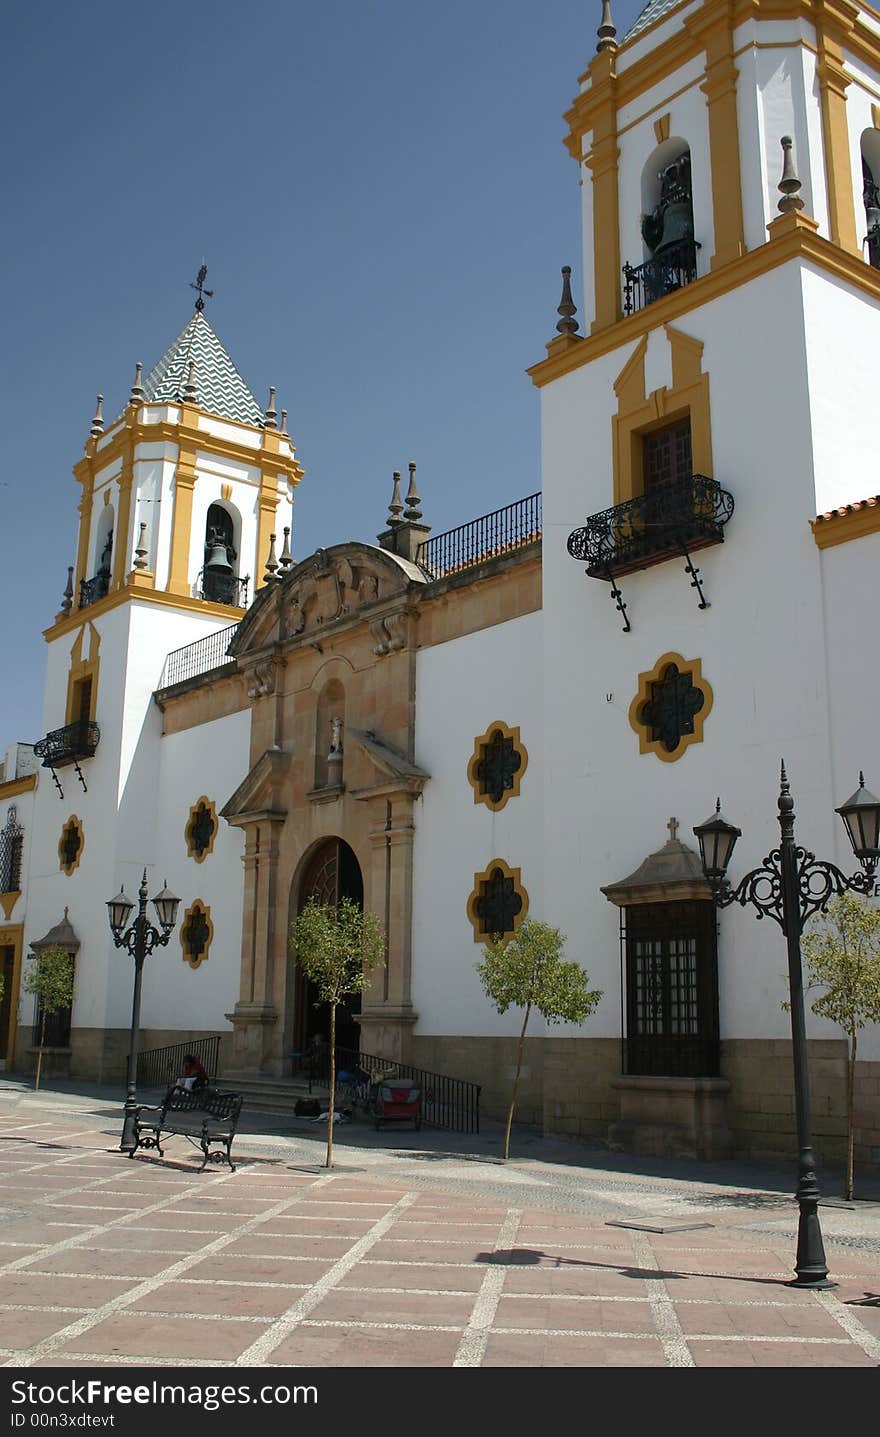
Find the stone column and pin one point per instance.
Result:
(255, 1015)
(387, 1015)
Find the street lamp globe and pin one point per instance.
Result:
(717, 839)
(166, 905)
(861, 816)
(120, 910)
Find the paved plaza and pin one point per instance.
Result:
(416, 1250)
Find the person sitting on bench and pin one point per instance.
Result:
(193, 1074)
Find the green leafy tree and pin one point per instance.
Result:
(529, 972)
(843, 957)
(50, 978)
(337, 947)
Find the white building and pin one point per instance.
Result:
(462, 730)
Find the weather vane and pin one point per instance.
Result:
(200, 286)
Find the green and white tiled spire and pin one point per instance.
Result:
(221, 389)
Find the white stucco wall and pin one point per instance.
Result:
(461, 688)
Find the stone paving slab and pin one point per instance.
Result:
(390, 1260)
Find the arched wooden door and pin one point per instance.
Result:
(332, 873)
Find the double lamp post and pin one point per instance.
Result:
(139, 939)
(790, 886)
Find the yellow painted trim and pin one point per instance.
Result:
(661, 127)
(11, 786)
(795, 242)
(268, 505)
(123, 518)
(875, 116)
(480, 878)
(833, 83)
(226, 492)
(719, 87)
(206, 910)
(480, 795)
(83, 667)
(181, 525)
(856, 522)
(652, 676)
(132, 591)
(638, 413)
(8, 901)
(72, 822)
(186, 435)
(12, 936)
(187, 832)
(602, 161)
(84, 473)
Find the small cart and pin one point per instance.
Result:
(397, 1100)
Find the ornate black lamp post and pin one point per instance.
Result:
(140, 939)
(792, 885)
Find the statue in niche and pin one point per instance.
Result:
(335, 737)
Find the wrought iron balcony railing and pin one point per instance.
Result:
(223, 588)
(674, 519)
(675, 267)
(199, 657)
(489, 537)
(91, 590)
(69, 744)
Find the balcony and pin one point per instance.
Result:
(675, 518)
(91, 590)
(669, 270)
(490, 537)
(69, 744)
(221, 588)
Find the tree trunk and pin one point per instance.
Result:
(850, 1117)
(40, 1049)
(332, 1085)
(519, 1053)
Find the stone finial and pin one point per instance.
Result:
(138, 393)
(270, 418)
(284, 421)
(98, 421)
(271, 562)
(190, 393)
(789, 184)
(140, 553)
(412, 513)
(285, 561)
(567, 309)
(395, 508)
(67, 601)
(607, 30)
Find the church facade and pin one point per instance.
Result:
(527, 715)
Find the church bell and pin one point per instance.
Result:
(217, 561)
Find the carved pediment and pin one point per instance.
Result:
(261, 794)
(331, 586)
(396, 771)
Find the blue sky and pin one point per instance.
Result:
(383, 199)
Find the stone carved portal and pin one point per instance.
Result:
(330, 874)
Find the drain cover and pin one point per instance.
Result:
(658, 1225)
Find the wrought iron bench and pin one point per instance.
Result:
(207, 1117)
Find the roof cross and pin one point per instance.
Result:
(200, 286)
(672, 825)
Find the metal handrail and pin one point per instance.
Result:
(671, 269)
(480, 539)
(449, 1103)
(159, 1067)
(67, 745)
(196, 658)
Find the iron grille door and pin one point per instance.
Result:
(671, 990)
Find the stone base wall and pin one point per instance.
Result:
(99, 1055)
(567, 1085)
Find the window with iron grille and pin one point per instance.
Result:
(11, 849)
(70, 845)
(671, 989)
(498, 902)
(201, 829)
(196, 932)
(497, 765)
(666, 456)
(58, 1024)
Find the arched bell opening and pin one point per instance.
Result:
(871, 195)
(98, 585)
(219, 580)
(329, 873)
(667, 199)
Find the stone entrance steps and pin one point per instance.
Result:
(268, 1095)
